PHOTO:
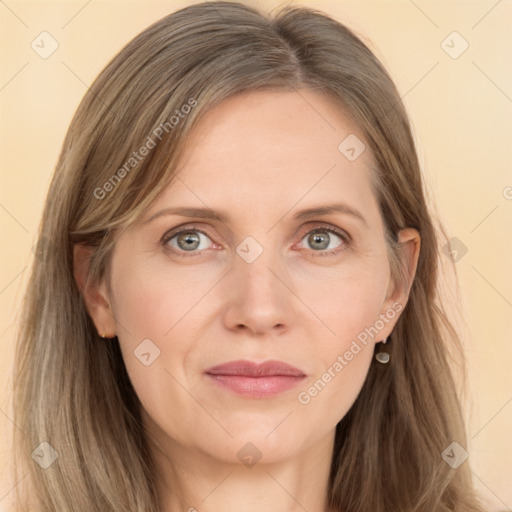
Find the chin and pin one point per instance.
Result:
(249, 448)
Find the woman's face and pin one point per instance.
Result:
(268, 282)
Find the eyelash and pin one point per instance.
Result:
(324, 228)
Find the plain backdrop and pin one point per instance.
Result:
(451, 63)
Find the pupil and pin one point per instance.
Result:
(190, 239)
(317, 238)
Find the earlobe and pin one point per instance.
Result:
(95, 295)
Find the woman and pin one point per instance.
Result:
(185, 344)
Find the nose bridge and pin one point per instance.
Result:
(254, 263)
(259, 300)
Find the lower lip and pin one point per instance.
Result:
(257, 387)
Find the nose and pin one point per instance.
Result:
(259, 299)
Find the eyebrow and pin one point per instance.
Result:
(222, 216)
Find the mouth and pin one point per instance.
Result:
(255, 380)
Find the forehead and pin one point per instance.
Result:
(271, 149)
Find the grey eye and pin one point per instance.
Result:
(320, 240)
(188, 241)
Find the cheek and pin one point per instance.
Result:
(154, 346)
(153, 300)
(347, 300)
(333, 391)
(349, 306)
(342, 358)
(153, 310)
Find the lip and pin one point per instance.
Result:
(256, 380)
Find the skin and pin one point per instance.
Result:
(260, 157)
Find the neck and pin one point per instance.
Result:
(192, 481)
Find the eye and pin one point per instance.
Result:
(186, 242)
(322, 240)
(191, 241)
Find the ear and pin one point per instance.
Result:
(398, 293)
(95, 295)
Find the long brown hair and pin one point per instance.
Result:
(71, 389)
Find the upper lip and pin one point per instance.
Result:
(251, 369)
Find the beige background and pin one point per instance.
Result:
(461, 110)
